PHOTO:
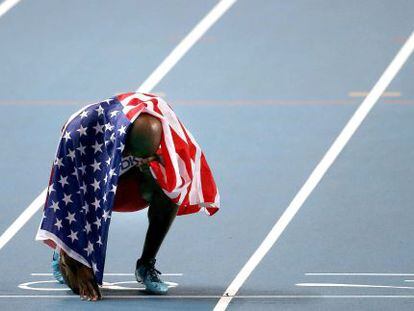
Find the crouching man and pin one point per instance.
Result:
(166, 171)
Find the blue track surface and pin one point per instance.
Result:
(265, 92)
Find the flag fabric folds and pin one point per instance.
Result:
(89, 161)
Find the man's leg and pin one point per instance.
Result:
(143, 141)
(161, 214)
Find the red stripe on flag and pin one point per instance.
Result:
(131, 114)
(191, 146)
(121, 97)
(182, 149)
(135, 101)
(167, 184)
(208, 184)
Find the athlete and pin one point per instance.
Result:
(124, 154)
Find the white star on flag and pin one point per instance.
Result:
(95, 185)
(105, 215)
(82, 168)
(99, 110)
(111, 172)
(121, 147)
(97, 147)
(108, 127)
(71, 217)
(71, 154)
(112, 138)
(97, 222)
(67, 136)
(67, 198)
(113, 189)
(54, 206)
(99, 241)
(51, 189)
(74, 173)
(114, 113)
(82, 130)
(96, 203)
(88, 227)
(108, 161)
(73, 235)
(94, 267)
(98, 128)
(58, 223)
(85, 208)
(59, 162)
(63, 181)
(84, 114)
(96, 166)
(83, 187)
(89, 248)
(81, 149)
(122, 129)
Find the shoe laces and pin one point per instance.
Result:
(152, 272)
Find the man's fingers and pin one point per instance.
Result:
(87, 293)
(97, 290)
(82, 294)
(92, 292)
(80, 279)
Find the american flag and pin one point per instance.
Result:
(88, 164)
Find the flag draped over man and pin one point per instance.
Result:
(88, 164)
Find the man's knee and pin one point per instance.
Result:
(161, 206)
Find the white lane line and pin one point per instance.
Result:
(22, 219)
(110, 274)
(119, 297)
(351, 285)
(6, 5)
(179, 51)
(357, 274)
(147, 86)
(319, 171)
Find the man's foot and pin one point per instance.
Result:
(55, 267)
(79, 278)
(146, 274)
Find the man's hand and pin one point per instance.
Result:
(79, 278)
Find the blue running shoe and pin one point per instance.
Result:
(146, 274)
(55, 267)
